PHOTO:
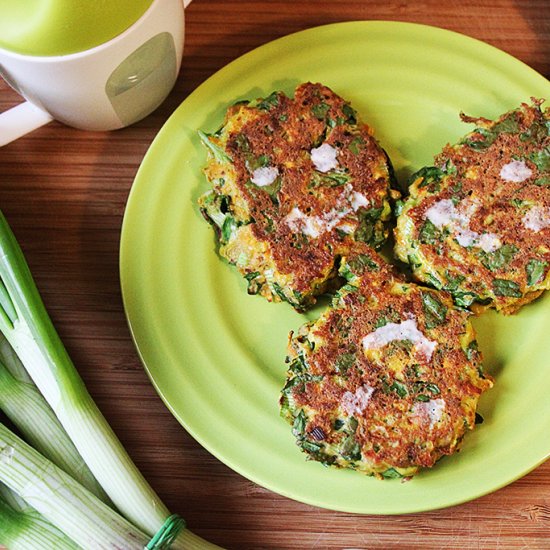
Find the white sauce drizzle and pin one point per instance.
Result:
(358, 200)
(347, 227)
(313, 226)
(324, 157)
(406, 330)
(264, 176)
(537, 218)
(445, 214)
(429, 410)
(357, 402)
(515, 171)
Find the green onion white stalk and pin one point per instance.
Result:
(26, 325)
(23, 528)
(24, 405)
(61, 500)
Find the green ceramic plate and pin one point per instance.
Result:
(216, 355)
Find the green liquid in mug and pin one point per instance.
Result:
(61, 27)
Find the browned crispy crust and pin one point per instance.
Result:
(281, 132)
(390, 436)
(508, 278)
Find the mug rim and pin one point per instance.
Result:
(83, 53)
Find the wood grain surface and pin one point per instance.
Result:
(64, 192)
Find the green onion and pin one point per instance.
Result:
(330, 179)
(434, 310)
(344, 362)
(217, 152)
(429, 174)
(211, 205)
(350, 113)
(543, 181)
(535, 271)
(541, 159)
(23, 528)
(320, 110)
(228, 228)
(350, 449)
(26, 325)
(391, 473)
(499, 258)
(399, 388)
(272, 100)
(465, 299)
(429, 233)
(454, 280)
(24, 405)
(62, 500)
(505, 287)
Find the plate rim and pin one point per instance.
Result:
(122, 251)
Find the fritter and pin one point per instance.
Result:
(296, 181)
(388, 379)
(477, 223)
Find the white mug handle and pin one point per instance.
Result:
(26, 117)
(21, 120)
